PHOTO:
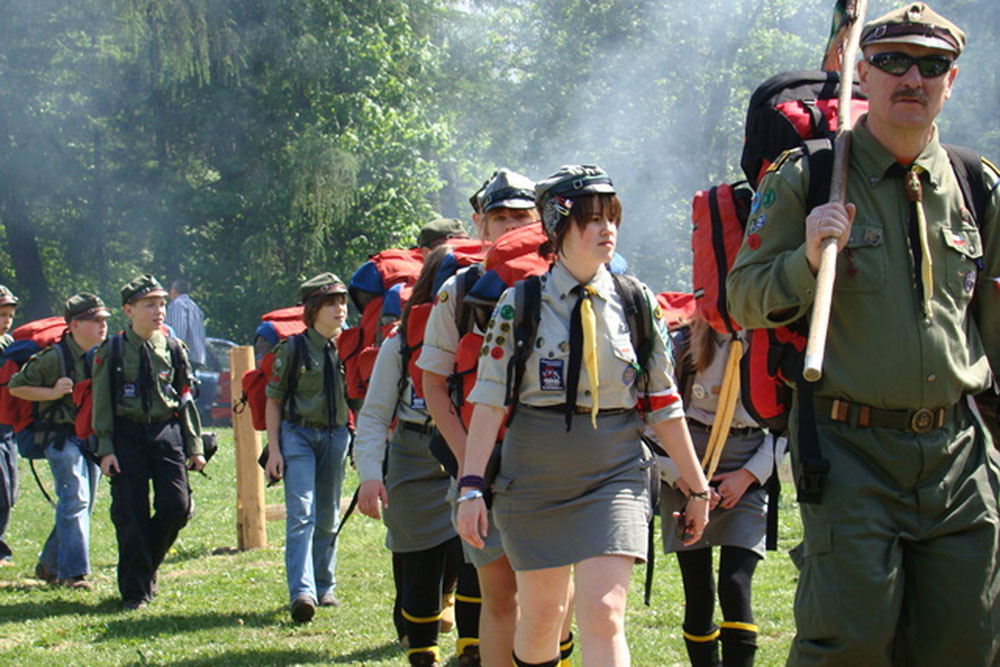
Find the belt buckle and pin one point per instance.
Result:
(922, 420)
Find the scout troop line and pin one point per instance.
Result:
(532, 397)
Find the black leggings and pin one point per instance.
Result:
(736, 568)
(419, 580)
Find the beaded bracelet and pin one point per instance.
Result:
(472, 482)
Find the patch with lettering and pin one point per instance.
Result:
(128, 390)
(970, 281)
(416, 402)
(551, 375)
(757, 224)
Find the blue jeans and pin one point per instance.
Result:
(67, 550)
(8, 483)
(314, 477)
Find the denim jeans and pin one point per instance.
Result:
(67, 550)
(313, 479)
(8, 484)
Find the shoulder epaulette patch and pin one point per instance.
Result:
(790, 154)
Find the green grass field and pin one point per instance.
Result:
(218, 606)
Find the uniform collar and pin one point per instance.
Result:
(564, 282)
(317, 338)
(155, 340)
(74, 347)
(875, 161)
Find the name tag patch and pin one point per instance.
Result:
(128, 390)
(416, 402)
(550, 374)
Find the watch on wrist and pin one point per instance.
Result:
(471, 494)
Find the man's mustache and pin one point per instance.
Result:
(909, 94)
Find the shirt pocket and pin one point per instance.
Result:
(623, 365)
(861, 264)
(964, 250)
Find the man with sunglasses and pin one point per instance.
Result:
(899, 558)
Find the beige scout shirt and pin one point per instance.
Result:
(881, 349)
(546, 369)
(437, 355)
(380, 406)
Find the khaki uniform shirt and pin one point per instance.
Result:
(310, 401)
(382, 402)
(166, 403)
(882, 350)
(546, 369)
(43, 369)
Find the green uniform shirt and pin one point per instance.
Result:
(166, 403)
(43, 370)
(310, 402)
(881, 350)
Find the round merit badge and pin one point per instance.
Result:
(443, 297)
(768, 198)
(970, 281)
(497, 353)
(507, 312)
(628, 376)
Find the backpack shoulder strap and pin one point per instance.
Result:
(179, 361)
(299, 354)
(527, 314)
(819, 153)
(639, 317)
(117, 355)
(968, 167)
(66, 365)
(463, 285)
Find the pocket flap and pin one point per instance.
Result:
(965, 241)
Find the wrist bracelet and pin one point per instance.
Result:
(701, 495)
(472, 482)
(471, 494)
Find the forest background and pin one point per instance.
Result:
(246, 144)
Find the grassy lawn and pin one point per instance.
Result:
(218, 606)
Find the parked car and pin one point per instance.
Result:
(213, 395)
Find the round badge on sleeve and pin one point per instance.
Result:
(497, 353)
(628, 375)
(507, 312)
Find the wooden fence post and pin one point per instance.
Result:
(251, 526)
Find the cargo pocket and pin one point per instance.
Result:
(861, 264)
(962, 262)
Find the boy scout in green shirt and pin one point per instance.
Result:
(145, 434)
(8, 453)
(48, 379)
(899, 559)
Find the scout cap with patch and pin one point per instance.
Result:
(508, 189)
(142, 287)
(322, 284)
(84, 306)
(915, 23)
(442, 229)
(555, 193)
(7, 297)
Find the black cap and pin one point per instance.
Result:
(508, 189)
(84, 306)
(324, 283)
(555, 193)
(142, 287)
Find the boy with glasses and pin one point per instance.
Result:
(899, 558)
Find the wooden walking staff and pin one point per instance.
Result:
(827, 273)
(727, 408)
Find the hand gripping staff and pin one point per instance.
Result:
(825, 276)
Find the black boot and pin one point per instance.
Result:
(739, 644)
(703, 648)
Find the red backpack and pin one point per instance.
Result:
(29, 338)
(275, 326)
(719, 216)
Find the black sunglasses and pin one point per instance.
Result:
(898, 64)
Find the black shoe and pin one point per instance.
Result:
(303, 609)
(45, 574)
(328, 599)
(134, 604)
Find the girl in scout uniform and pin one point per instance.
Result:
(578, 499)
(506, 202)
(738, 522)
(413, 496)
(307, 436)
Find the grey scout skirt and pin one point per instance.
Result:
(418, 516)
(741, 526)
(561, 498)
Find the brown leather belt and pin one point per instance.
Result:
(580, 410)
(733, 432)
(922, 420)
